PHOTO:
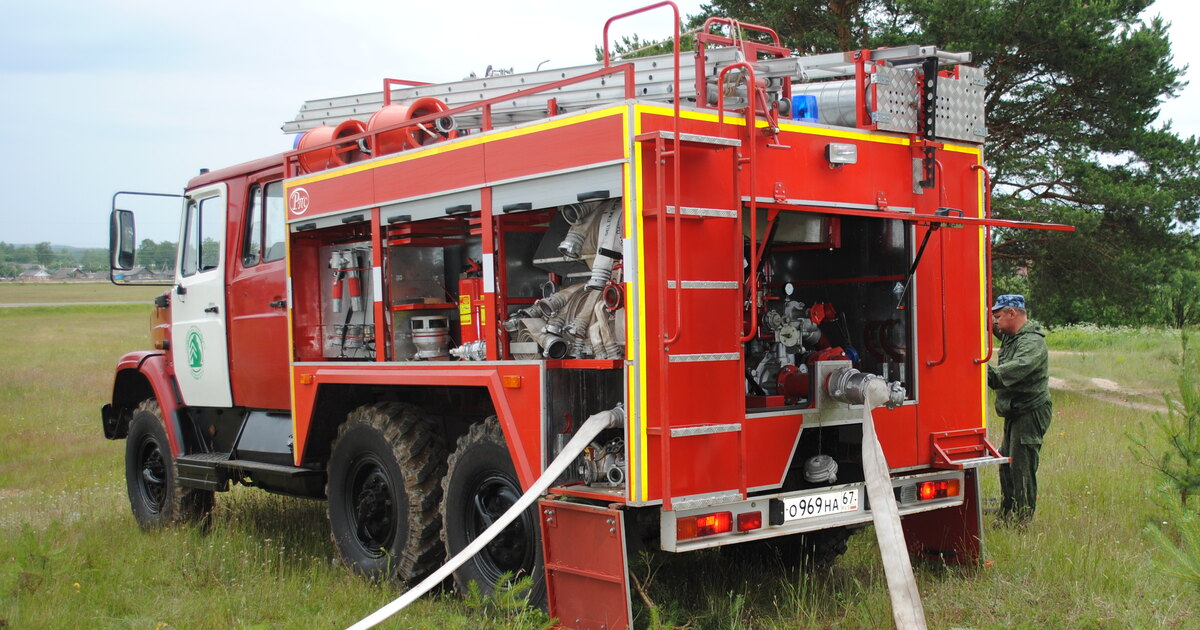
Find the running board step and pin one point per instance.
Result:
(213, 471)
(965, 448)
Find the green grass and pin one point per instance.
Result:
(1143, 361)
(73, 292)
(71, 555)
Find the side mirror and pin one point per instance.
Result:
(121, 240)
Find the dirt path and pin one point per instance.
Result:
(1102, 389)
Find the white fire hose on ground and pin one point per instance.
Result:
(851, 386)
(614, 417)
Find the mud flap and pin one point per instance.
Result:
(587, 571)
(950, 535)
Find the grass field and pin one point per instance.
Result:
(73, 292)
(71, 555)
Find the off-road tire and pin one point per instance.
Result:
(384, 489)
(151, 480)
(481, 484)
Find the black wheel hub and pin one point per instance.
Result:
(370, 506)
(153, 479)
(514, 549)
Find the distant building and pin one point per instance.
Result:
(35, 273)
(135, 274)
(68, 273)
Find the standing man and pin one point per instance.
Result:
(1022, 384)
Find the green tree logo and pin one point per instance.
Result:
(195, 352)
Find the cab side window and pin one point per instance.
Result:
(265, 229)
(252, 243)
(202, 238)
(273, 223)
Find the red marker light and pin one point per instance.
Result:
(747, 521)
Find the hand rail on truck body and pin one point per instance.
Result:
(668, 338)
(750, 48)
(987, 260)
(751, 129)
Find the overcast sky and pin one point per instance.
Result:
(113, 95)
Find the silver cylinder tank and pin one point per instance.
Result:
(835, 100)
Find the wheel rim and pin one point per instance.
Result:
(514, 549)
(371, 506)
(152, 482)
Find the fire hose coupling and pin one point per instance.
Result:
(554, 346)
(607, 242)
(852, 387)
(471, 351)
(616, 416)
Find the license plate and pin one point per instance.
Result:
(815, 505)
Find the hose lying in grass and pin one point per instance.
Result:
(591, 428)
(907, 610)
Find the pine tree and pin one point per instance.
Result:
(1073, 95)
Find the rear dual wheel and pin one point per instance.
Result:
(384, 489)
(480, 486)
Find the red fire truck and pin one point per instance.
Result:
(412, 312)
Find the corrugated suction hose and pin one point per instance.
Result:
(614, 417)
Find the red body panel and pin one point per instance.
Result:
(519, 408)
(555, 149)
(503, 156)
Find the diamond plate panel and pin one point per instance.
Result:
(960, 114)
(704, 358)
(706, 500)
(896, 93)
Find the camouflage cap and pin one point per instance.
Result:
(1013, 300)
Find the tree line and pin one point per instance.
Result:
(1073, 97)
(157, 256)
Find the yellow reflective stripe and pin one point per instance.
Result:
(958, 148)
(642, 488)
(983, 293)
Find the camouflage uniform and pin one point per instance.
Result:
(1021, 381)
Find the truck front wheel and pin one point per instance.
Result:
(155, 496)
(384, 490)
(481, 484)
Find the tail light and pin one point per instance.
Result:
(930, 490)
(703, 525)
